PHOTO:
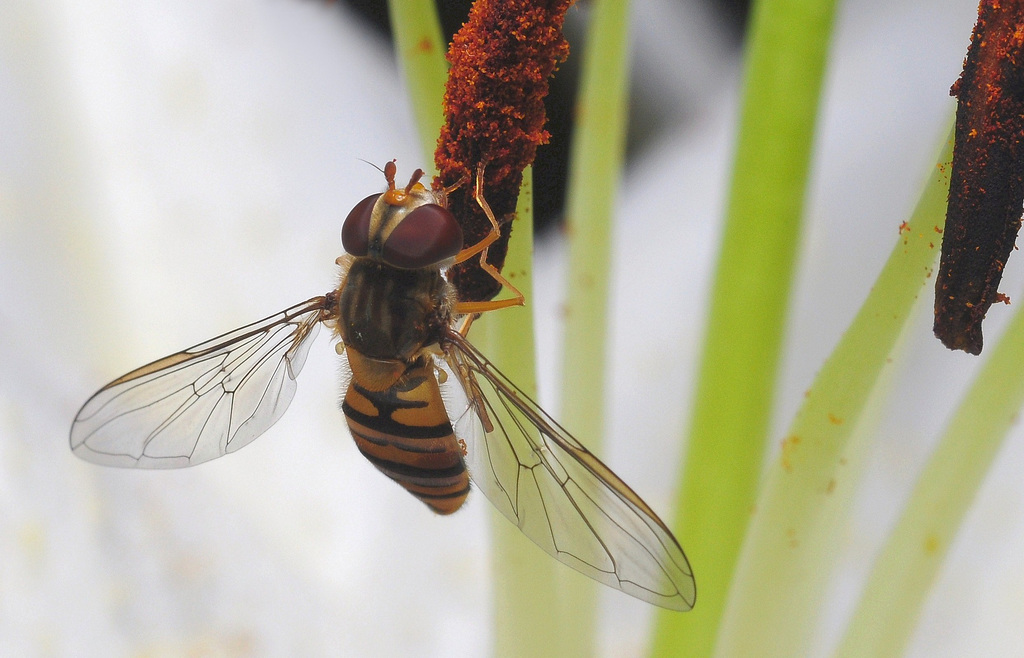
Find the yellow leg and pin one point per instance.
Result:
(493, 304)
(495, 231)
(481, 247)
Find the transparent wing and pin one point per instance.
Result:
(202, 403)
(559, 494)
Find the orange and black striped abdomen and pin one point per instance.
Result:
(404, 431)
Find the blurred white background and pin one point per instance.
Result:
(171, 171)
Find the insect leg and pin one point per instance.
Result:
(517, 299)
(495, 232)
(472, 388)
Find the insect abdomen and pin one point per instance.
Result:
(404, 431)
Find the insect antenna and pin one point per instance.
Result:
(416, 176)
(371, 164)
(389, 174)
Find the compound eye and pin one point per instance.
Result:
(426, 236)
(355, 232)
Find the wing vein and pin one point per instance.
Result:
(202, 402)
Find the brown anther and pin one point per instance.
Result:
(501, 61)
(986, 188)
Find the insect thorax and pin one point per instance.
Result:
(390, 313)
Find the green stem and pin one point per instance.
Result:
(790, 547)
(595, 166)
(526, 612)
(419, 47)
(525, 579)
(905, 569)
(785, 64)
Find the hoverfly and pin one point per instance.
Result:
(402, 336)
